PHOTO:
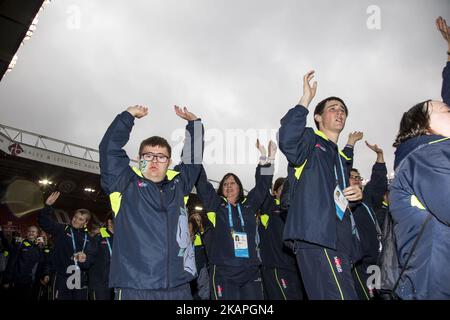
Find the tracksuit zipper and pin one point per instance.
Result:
(168, 238)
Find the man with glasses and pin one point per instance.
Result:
(152, 256)
(365, 216)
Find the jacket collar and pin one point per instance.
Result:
(324, 136)
(410, 145)
(170, 174)
(105, 233)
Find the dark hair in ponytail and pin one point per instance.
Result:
(415, 122)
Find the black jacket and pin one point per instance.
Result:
(218, 238)
(274, 253)
(365, 217)
(99, 271)
(45, 264)
(23, 263)
(62, 237)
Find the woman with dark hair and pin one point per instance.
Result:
(420, 195)
(232, 240)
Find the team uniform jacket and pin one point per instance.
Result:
(314, 163)
(152, 247)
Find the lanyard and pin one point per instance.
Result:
(352, 219)
(258, 242)
(109, 247)
(73, 241)
(375, 222)
(342, 172)
(230, 218)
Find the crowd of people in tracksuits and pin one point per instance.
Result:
(36, 267)
(316, 234)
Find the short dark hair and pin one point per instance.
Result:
(354, 170)
(278, 183)
(321, 107)
(238, 181)
(84, 212)
(155, 141)
(415, 122)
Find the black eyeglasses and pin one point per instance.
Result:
(150, 156)
(358, 178)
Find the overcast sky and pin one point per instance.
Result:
(236, 64)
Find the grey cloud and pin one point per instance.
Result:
(237, 64)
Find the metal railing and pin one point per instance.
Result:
(60, 146)
(50, 144)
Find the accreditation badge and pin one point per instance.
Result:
(240, 244)
(340, 201)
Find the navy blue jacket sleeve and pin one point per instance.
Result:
(48, 224)
(348, 153)
(266, 207)
(377, 186)
(267, 204)
(427, 176)
(115, 170)
(206, 192)
(294, 139)
(432, 186)
(192, 154)
(446, 84)
(263, 177)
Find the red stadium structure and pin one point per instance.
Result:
(47, 165)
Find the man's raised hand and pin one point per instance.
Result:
(308, 91)
(444, 29)
(272, 149)
(138, 111)
(52, 198)
(374, 147)
(377, 150)
(354, 137)
(261, 148)
(185, 114)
